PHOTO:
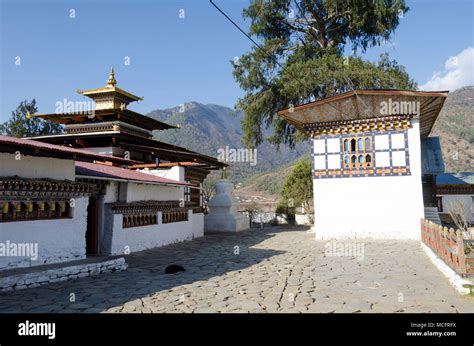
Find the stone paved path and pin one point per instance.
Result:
(271, 270)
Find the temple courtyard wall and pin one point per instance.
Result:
(117, 239)
(32, 167)
(450, 204)
(134, 239)
(56, 240)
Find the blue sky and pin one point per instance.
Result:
(175, 60)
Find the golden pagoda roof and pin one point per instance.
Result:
(110, 88)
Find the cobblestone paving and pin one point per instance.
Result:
(270, 270)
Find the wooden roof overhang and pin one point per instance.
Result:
(126, 141)
(171, 164)
(80, 140)
(37, 148)
(125, 115)
(167, 151)
(196, 174)
(360, 110)
(461, 183)
(455, 189)
(173, 154)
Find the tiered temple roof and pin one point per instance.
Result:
(110, 96)
(28, 147)
(112, 124)
(108, 114)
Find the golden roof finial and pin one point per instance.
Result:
(224, 172)
(111, 82)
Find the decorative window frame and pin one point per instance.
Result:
(372, 171)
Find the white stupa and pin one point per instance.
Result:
(223, 215)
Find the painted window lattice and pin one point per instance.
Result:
(361, 155)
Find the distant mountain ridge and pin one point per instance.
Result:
(208, 128)
(455, 127)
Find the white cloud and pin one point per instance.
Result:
(458, 72)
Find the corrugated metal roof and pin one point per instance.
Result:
(112, 172)
(17, 143)
(464, 178)
(431, 156)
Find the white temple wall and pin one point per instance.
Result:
(32, 167)
(146, 237)
(57, 240)
(107, 151)
(111, 192)
(174, 173)
(198, 224)
(467, 200)
(146, 192)
(116, 239)
(387, 207)
(101, 150)
(133, 192)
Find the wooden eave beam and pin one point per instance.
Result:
(81, 142)
(169, 164)
(180, 155)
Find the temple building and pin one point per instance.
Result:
(367, 171)
(104, 187)
(454, 191)
(112, 129)
(42, 203)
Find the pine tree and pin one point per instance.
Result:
(19, 125)
(303, 58)
(297, 189)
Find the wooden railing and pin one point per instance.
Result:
(449, 245)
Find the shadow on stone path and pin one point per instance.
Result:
(280, 269)
(203, 258)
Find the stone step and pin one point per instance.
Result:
(431, 213)
(21, 278)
